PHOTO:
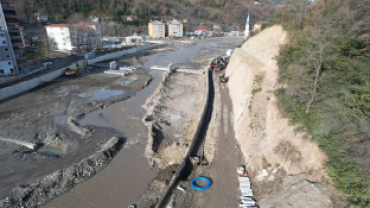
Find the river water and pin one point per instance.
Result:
(123, 181)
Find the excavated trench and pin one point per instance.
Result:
(197, 147)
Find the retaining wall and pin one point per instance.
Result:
(10, 91)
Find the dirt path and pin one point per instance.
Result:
(225, 191)
(222, 169)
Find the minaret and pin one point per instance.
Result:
(246, 33)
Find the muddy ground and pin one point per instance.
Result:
(174, 112)
(42, 116)
(168, 148)
(50, 115)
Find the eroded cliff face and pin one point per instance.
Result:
(266, 138)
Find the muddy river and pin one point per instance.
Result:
(123, 181)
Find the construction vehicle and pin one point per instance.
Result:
(222, 78)
(220, 63)
(79, 65)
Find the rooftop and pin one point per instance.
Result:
(156, 22)
(58, 25)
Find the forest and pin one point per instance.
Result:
(325, 71)
(230, 14)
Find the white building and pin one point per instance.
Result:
(135, 39)
(70, 37)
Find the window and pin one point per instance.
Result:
(2, 35)
(6, 49)
(9, 63)
(4, 42)
(7, 56)
(2, 71)
(62, 34)
(11, 70)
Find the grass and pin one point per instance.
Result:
(34, 56)
(255, 91)
(212, 10)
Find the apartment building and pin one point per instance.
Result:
(157, 29)
(12, 60)
(69, 37)
(174, 28)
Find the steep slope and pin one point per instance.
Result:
(266, 138)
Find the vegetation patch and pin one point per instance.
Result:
(325, 69)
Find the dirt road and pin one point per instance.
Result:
(221, 169)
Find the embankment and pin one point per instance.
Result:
(18, 88)
(266, 138)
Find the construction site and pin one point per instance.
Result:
(138, 130)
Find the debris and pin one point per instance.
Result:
(240, 170)
(181, 188)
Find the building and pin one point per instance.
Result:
(174, 28)
(130, 18)
(156, 29)
(72, 37)
(12, 60)
(135, 39)
(201, 31)
(217, 27)
(41, 18)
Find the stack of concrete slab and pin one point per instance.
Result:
(247, 193)
(127, 68)
(116, 72)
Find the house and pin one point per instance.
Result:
(70, 37)
(41, 17)
(130, 18)
(135, 39)
(156, 29)
(95, 19)
(217, 27)
(174, 28)
(201, 31)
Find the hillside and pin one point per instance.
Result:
(265, 136)
(230, 14)
(325, 86)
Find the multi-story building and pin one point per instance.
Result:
(174, 28)
(70, 37)
(12, 60)
(157, 29)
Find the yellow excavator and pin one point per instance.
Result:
(74, 71)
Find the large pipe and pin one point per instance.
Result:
(28, 145)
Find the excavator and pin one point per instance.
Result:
(220, 63)
(74, 71)
(222, 78)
